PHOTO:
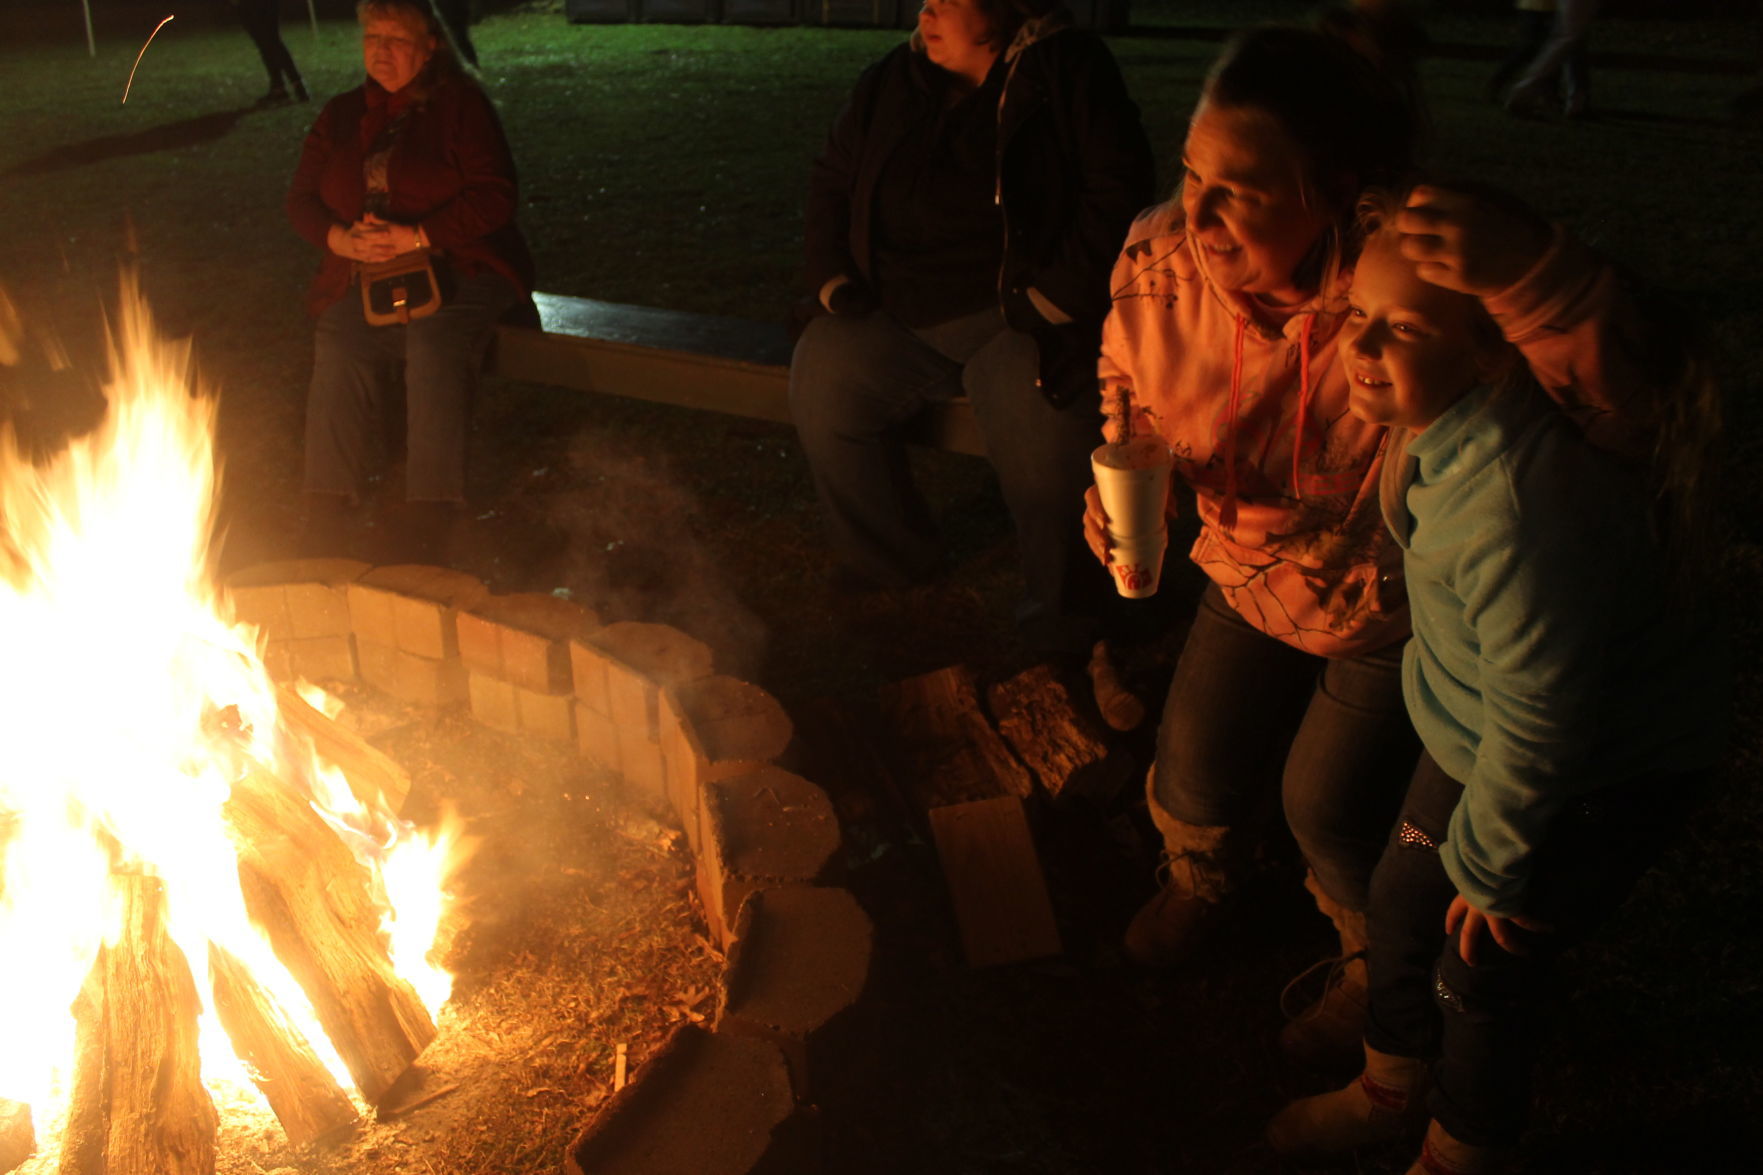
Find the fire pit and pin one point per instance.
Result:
(324, 950)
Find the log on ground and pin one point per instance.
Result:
(941, 747)
(18, 1141)
(305, 889)
(138, 1104)
(306, 1099)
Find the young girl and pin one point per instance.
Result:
(1570, 708)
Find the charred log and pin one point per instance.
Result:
(138, 1105)
(305, 889)
(307, 1101)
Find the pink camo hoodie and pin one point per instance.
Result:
(1285, 477)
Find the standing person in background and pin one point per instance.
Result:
(1565, 676)
(1535, 20)
(412, 159)
(960, 224)
(456, 19)
(1557, 78)
(262, 20)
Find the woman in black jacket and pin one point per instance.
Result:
(962, 220)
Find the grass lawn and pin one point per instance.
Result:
(665, 166)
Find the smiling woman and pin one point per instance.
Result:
(411, 166)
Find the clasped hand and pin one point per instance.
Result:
(1470, 924)
(372, 239)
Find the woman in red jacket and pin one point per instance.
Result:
(414, 158)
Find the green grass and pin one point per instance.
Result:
(666, 166)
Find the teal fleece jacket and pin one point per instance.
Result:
(1545, 661)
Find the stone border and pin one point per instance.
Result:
(641, 701)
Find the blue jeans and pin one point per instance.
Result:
(856, 380)
(1245, 710)
(1485, 1023)
(442, 354)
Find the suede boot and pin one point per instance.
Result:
(1441, 1154)
(1121, 709)
(1196, 879)
(1385, 1103)
(1326, 1034)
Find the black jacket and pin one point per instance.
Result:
(1074, 168)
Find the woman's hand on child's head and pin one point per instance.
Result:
(1473, 240)
(1469, 924)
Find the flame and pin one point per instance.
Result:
(131, 702)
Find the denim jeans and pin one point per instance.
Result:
(856, 380)
(442, 354)
(1245, 709)
(1485, 1023)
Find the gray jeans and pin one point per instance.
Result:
(855, 381)
(442, 355)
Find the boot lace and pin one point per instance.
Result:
(1336, 967)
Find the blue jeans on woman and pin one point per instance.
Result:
(442, 355)
(1485, 1023)
(856, 380)
(1246, 710)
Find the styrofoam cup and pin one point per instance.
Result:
(1137, 564)
(1133, 480)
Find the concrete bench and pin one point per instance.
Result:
(692, 360)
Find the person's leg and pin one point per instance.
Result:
(1573, 19)
(1235, 699)
(854, 381)
(444, 357)
(342, 405)
(1533, 33)
(260, 23)
(1348, 770)
(1041, 455)
(1496, 1014)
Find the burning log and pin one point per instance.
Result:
(304, 887)
(373, 776)
(17, 1139)
(138, 1104)
(306, 1099)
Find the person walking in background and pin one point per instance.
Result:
(262, 20)
(960, 224)
(1557, 78)
(455, 17)
(1565, 677)
(1535, 20)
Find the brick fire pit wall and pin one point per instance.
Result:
(640, 701)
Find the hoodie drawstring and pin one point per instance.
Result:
(1227, 513)
(1303, 401)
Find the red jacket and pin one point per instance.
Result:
(451, 173)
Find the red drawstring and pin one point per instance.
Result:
(1227, 514)
(1303, 401)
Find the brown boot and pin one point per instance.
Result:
(1195, 880)
(1326, 1035)
(1384, 1103)
(1121, 709)
(1441, 1154)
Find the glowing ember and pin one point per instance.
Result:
(133, 707)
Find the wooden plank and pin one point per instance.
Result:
(995, 881)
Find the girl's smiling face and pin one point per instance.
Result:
(1409, 349)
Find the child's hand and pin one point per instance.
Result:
(1474, 923)
(1472, 240)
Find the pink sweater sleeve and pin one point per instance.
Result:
(1589, 344)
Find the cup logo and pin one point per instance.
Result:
(1133, 576)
